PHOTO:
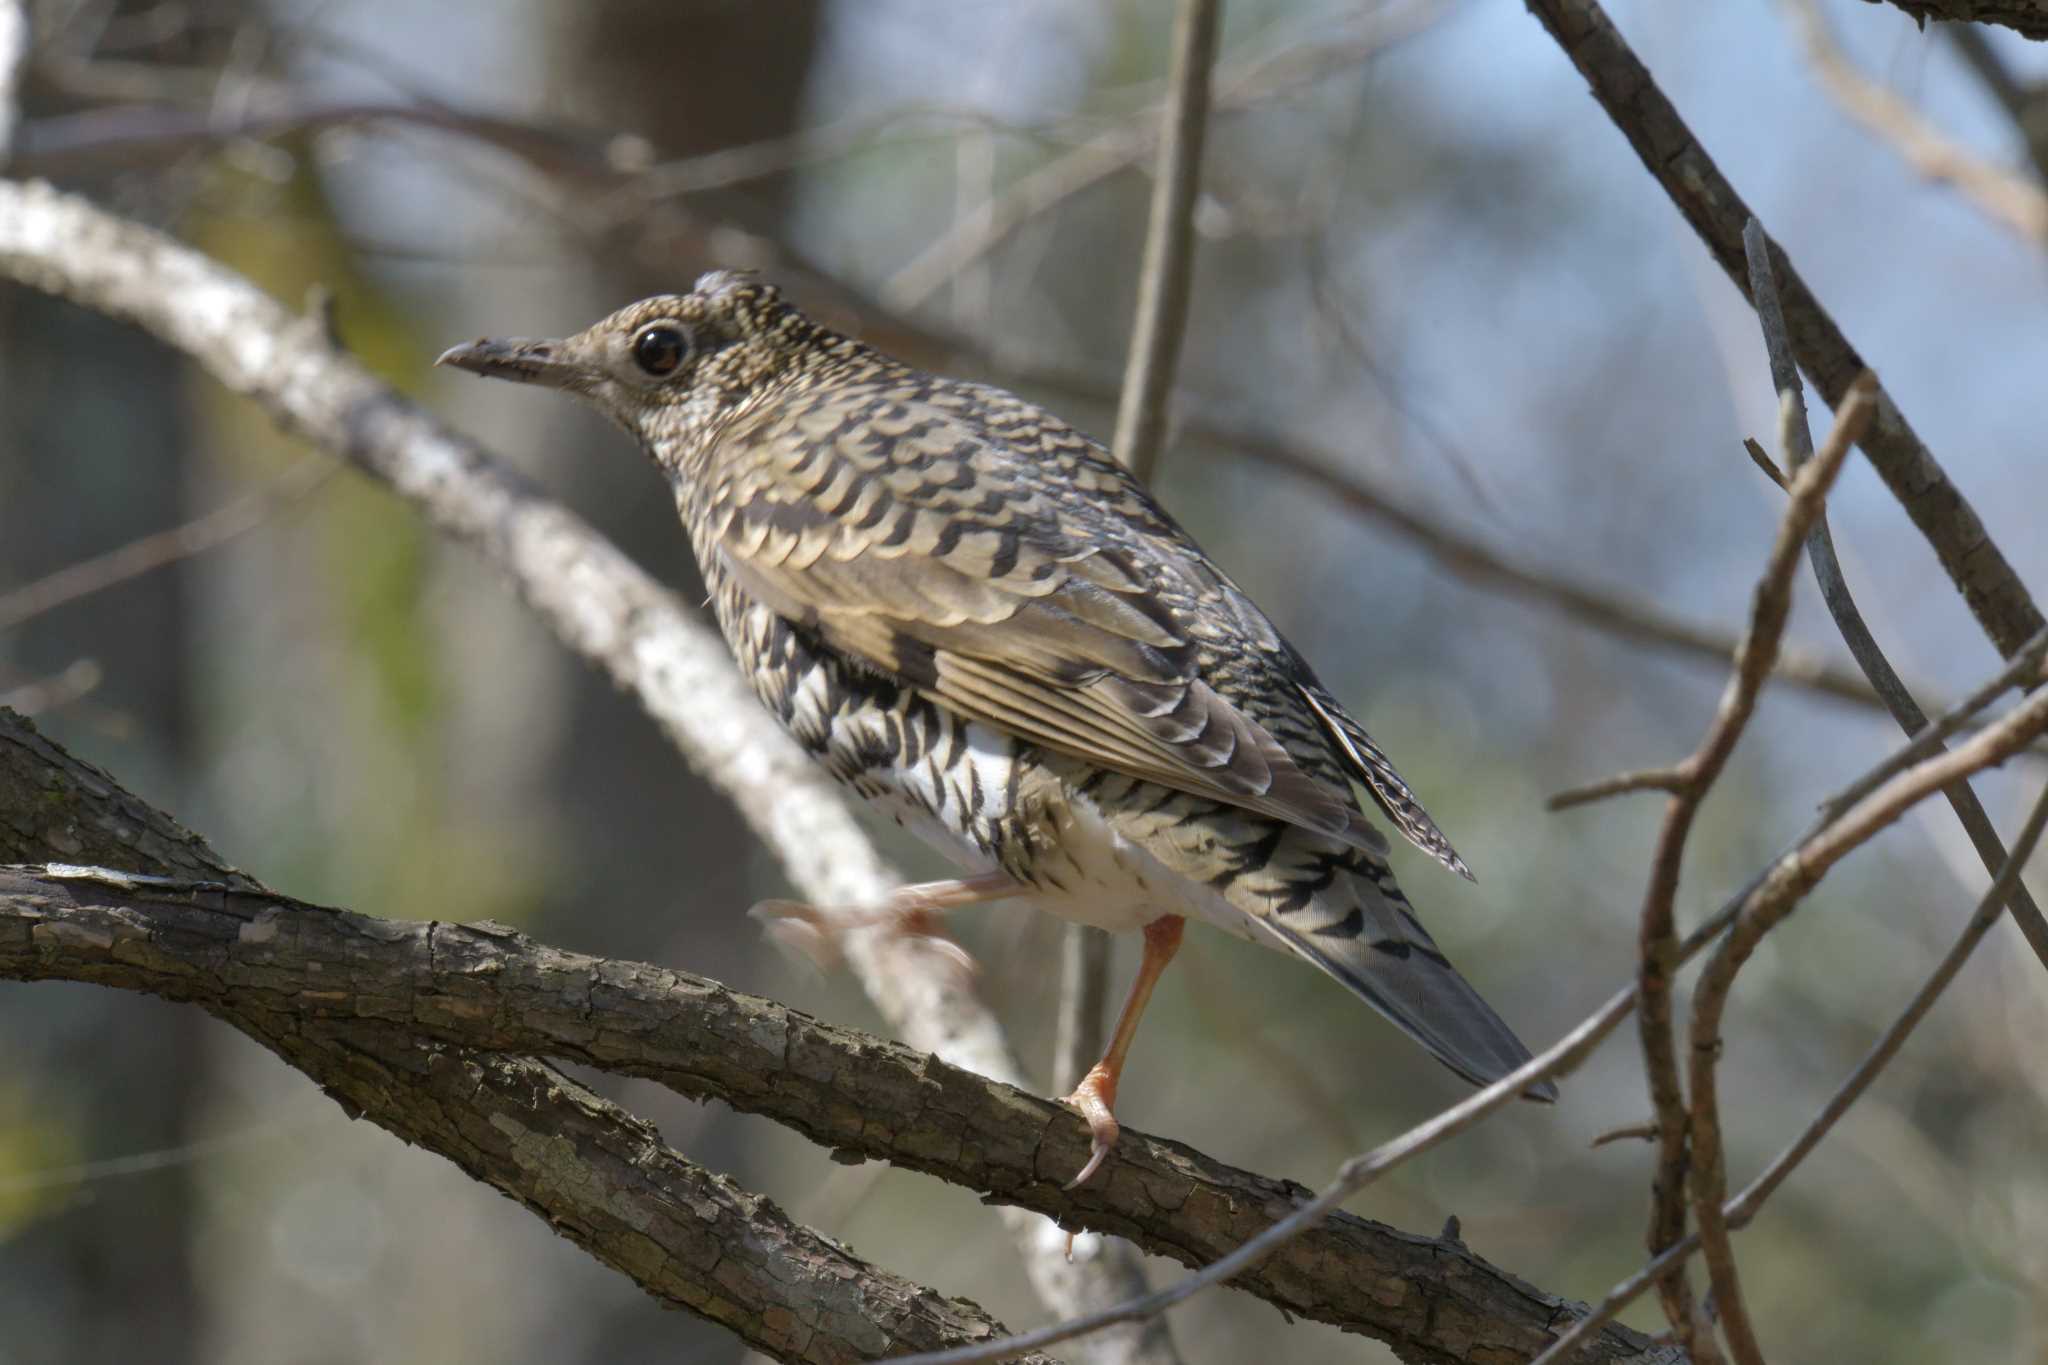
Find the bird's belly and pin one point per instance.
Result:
(987, 801)
(1088, 871)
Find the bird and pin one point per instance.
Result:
(983, 626)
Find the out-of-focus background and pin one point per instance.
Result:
(1427, 259)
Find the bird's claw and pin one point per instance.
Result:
(1093, 1096)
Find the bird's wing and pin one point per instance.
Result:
(1059, 605)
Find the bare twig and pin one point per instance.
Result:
(1659, 939)
(1762, 460)
(1080, 1028)
(1992, 590)
(160, 548)
(1797, 441)
(1743, 1207)
(78, 679)
(1473, 561)
(2007, 199)
(2023, 670)
(1165, 279)
(1779, 894)
(1642, 780)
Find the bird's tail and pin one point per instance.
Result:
(1361, 930)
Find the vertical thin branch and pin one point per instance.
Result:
(1156, 333)
(1084, 1004)
(1169, 245)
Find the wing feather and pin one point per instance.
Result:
(1089, 625)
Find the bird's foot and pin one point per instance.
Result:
(816, 934)
(1093, 1097)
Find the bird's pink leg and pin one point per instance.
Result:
(909, 909)
(1096, 1094)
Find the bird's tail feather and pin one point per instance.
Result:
(1388, 959)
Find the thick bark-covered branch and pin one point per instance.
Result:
(442, 1005)
(2029, 17)
(598, 1175)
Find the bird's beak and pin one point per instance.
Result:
(521, 359)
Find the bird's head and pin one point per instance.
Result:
(671, 369)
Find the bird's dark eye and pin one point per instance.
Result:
(659, 350)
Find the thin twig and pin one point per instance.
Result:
(1797, 442)
(76, 680)
(1476, 563)
(1658, 934)
(2023, 670)
(160, 548)
(1165, 280)
(1632, 1132)
(1671, 153)
(1740, 1210)
(1761, 458)
(1642, 780)
(2010, 200)
(1776, 898)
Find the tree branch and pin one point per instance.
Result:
(1993, 592)
(1743, 1207)
(180, 923)
(1167, 273)
(1658, 933)
(1796, 442)
(215, 938)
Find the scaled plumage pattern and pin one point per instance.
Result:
(975, 619)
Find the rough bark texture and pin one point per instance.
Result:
(598, 1175)
(1672, 155)
(2029, 17)
(412, 1025)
